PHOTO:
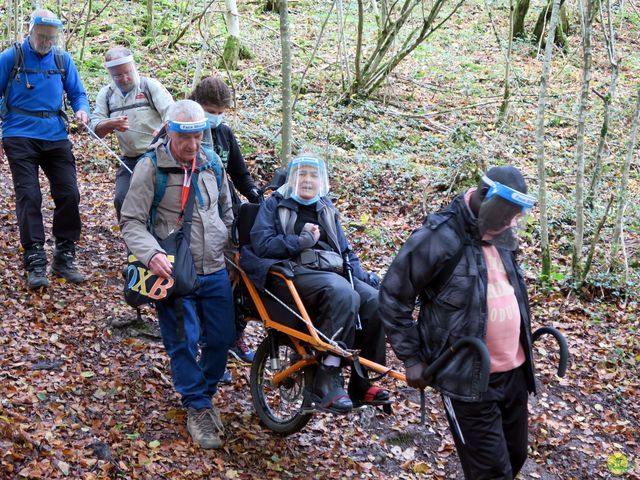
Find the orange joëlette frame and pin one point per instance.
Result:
(298, 337)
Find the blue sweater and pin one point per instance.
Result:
(45, 95)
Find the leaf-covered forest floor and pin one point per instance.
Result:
(84, 398)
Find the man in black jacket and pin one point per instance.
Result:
(483, 296)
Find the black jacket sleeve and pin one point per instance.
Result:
(416, 265)
(237, 168)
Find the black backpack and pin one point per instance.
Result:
(18, 68)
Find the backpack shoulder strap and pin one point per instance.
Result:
(109, 95)
(443, 276)
(213, 163)
(18, 59)
(18, 63)
(160, 188)
(58, 56)
(144, 86)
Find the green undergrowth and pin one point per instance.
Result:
(427, 135)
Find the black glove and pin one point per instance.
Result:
(255, 196)
(374, 280)
(414, 375)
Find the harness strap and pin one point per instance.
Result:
(129, 107)
(38, 114)
(144, 87)
(362, 373)
(50, 71)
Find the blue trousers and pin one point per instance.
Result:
(209, 311)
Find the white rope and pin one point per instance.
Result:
(104, 144)
(296, 314)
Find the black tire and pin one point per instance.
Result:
(279, 409)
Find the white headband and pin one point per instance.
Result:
(119, 61)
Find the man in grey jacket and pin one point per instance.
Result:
(207, 314)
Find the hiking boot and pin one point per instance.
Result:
(64, 262)
(328, 388)
(361, 392)
(205, 427)
(35, 263)
(241, 351)
(226, 378)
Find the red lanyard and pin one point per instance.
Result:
(186, 184)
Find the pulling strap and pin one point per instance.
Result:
(178, 303)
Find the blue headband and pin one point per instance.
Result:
(313, 161)
(188, 127)
(52, 22)
(508, 193)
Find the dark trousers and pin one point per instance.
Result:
(491, 435)
(26, 156)
(123, 180)
(332, 304)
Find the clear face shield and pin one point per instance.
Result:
(503, 214)
(124, 73)
(307, 180)
(45, 33)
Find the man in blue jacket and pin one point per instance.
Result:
(33, 77)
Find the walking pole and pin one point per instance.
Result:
(104, 144)
(349, 270)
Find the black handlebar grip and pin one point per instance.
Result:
(562, 343)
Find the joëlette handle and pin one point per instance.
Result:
(562, 343)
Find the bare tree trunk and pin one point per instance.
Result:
(542, 174)
(285, 41)
(522, 7)
(342, 46)
(358, 58)
(610, 42)
(587, 20)
(150, 17)
(594, 243)
(231, 51)
(623, 193)
(506, 94)
(376, 13)
(543, 19)
(84, 31)
(203, 27)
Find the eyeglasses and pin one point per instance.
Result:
(121, 76)
(46, 38)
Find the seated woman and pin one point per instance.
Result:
(299, 224)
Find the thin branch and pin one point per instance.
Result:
(594, 242)
(315, 50)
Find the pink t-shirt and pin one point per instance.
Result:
(503, 313)
(503, 316)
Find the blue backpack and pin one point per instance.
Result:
(213, 163)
